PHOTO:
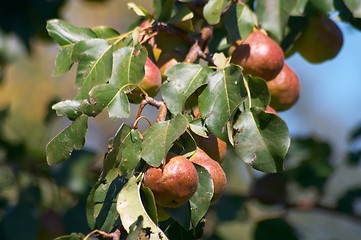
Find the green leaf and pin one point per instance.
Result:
(221, 98)
(139, 10)
(246, 20)
(201, 199)
(159, 138)
(198, 128)
(213, 9)
(183, 19)
(63, 61)
(72, 137)
(261, 140)
(129, 153)
(106, 95)
(273, 16)
(149, 202)
(260, 96)
(299, 8)
(241, 16)
(95, 64)
(105, 32)
(111, 160)
(128, 66)
(130, 207)
(324, 6)
(183, 80)
(163, 9)
(66, 34)
(68, 108)
(182, 215)
(354, 6)
(99, 98)
(119, 106)
(101, 203)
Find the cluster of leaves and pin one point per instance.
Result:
(232, 105)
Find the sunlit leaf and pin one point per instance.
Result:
(273, 16)
(128, 66)
(119, 106)
(139, 10)
(101, 203)
(159, 138)
(354, 6)
(183, 80)
(94, 59)
(213, 9)
(68, 108)
(72, 137)
(63, 61)
(65, 33)
(221, 98)
(261, 140)
(105, 32)
(299, 8)
(202, 197)
(130, 207)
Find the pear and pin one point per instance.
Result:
(259, 55)
(151, 82)
(214, 147)
(321, 40)
(284, 89)
(215, 170)
(174, 183)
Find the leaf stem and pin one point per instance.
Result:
(200, 45)
(135, 125)
(114, 235)
(248, 92)
(134, 85)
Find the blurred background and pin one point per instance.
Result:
(318, 197)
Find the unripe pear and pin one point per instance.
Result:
(259, 55)
(151, 82)
(174, 183)
(284, 89)
(321, 40)
(215, 170)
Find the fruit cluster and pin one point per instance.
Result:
(260, 56)
(175, 182)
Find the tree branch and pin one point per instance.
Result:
(200, 44)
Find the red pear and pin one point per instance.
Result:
(284, 89)
(174, 183)
(215, 170)
(151, 82)
(259, 55)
